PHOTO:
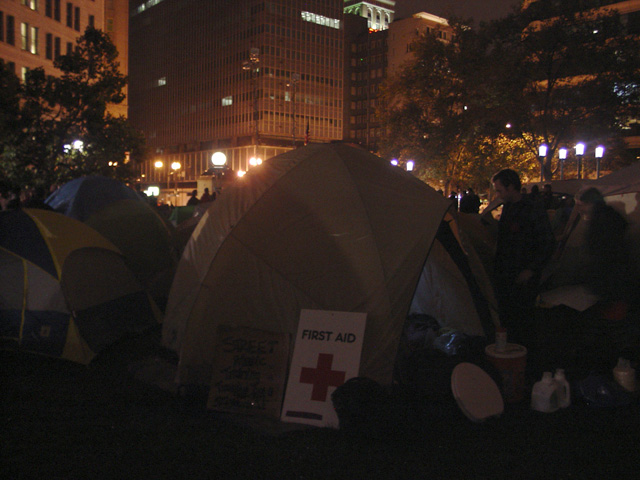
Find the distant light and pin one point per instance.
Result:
(508, 125)
(599, 151)
(410, 166)
(158, 164)
(394, 162)
(175, 166)
(542, 150)
(580, 149)
(218, 159)
(152, 191)
(562, 154)
(253, 161)
(75, 145)
(241, 173)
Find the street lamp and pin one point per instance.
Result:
(175, 166)
(542, 153)
(599, 155)
(579, 154)
(158, 164)
(562, 155)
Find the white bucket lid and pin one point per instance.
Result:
(475, 392)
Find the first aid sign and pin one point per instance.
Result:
(326, 354)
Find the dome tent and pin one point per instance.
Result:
(65, 290)
(329, 227)
(123, 217)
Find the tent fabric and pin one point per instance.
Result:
(128, 221)
(65, 290)
(72, 198)
(328, 227)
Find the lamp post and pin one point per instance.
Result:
(579, 154)
(599, 155)
(158, 164)
(542, 153)
(562, 155)
(175, 166)
(253, 65)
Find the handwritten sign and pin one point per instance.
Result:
(326, 354)
(249, 371)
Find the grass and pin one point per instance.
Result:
(67, 421)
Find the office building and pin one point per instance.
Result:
(247, 79)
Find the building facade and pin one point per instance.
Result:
(379, 13)
(246, 79)
(372, 56)
(33, 33)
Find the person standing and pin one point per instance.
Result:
(608, 268)
(194, 199)
(525, 244)
(206, 196)
(470, 202)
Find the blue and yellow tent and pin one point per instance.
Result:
(119, 214)
(65, 290)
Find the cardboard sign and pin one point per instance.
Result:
(249, 371)
(326, 354)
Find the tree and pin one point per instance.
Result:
(561, 74)
(435, 112)
(56, 128)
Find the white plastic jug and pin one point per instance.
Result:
(544, 396)
(564, 389)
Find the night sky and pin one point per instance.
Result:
(479, 10)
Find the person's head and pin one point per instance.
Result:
(547, 189)
(588, 198)
(507, 185)
(206, 190)
(535, 190)
(194, 193)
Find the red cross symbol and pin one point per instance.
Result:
(322, 377)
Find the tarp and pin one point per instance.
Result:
(122, 216)
(329, 227)
(65, 290)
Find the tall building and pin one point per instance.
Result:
(403, 33)
(365, 69)
(379, 13)
(247, 79)
(33, 33)
(372, 56)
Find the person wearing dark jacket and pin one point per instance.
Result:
(525, 244)
(194, 199)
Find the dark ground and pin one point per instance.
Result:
(67, 421)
